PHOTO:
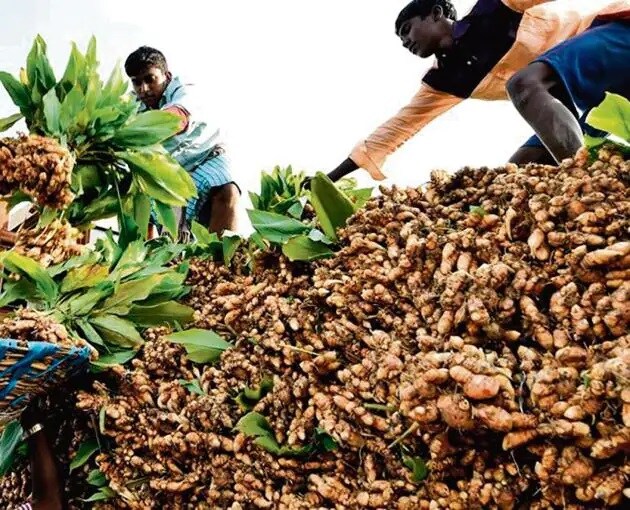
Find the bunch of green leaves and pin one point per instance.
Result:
(117, 150)
(301, 240)
(281, 192)
(613, 117)
(107, 296)
(256, 426)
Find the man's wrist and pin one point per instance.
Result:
(31, 431)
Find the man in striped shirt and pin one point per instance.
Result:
(197, 147)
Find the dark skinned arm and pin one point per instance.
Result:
(46, 487)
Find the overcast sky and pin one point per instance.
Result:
(291, 81)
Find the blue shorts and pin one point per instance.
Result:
(212, 173)
(589, 65)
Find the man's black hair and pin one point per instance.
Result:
(423, 8)
(143, 58)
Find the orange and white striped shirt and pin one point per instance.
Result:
(494, 41)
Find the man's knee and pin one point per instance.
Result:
(226, 196)
(529, 81)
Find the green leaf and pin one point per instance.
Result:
(86, 450)
(97, 478)
(142, 212)
(74, 68)
(192, 386)
(91, 335)
(103, 207)
(117, 331)
(359, 197)
(160, 176)
(171, 287)
(254, 425)
(71, 106)
(275, 227)
(103, 494)
(202, 235)
(296, 210)
(9, 121)
(83, 303)
(249, 397)
(332, 206)
(9, 441)
(231, 242)
(46, 217)
(478, 210)
(21, 290)
(16, 198)
(115, 358)
(318, 236)
(31, 269)
(418, 468)
(52, 109)
(612, 116)
(18, 92)
(202, 346)
(84, 276)
(115, 87)
(304, 248)
(258, 241)
(166, 218)
(270, 444)
(135, 253)
(593, 142)
(130, 292)
(109, 248)
(162, 314)
(147, 128)
(324, 441)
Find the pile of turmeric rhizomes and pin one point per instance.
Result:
(468, 347)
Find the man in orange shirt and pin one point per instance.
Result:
(475, 58)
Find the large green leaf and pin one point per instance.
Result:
(16, 291)
(115, 87)
(231, 242)
(71, 107)
(160, 176)
(89, 333)
(116, 358)
(74, 69)
(18, 92)
(171, 287)
(276, 228)
(84, 276)
(166, 218)
(31, 269)
(202, 346)
(9, 121)
(130, 292)
(612, 116)
(304, 248)
(117, 331)
(142, 212)
(147, 128)
(84, 302)
(332, 206)
(9, 441)
(86, 450)
(168, 313)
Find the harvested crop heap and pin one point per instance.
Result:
(49, 245)
(480, 325)
(39, 167)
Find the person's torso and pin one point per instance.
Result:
(200, 140)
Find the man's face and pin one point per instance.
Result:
(421, 36)
(150, 84)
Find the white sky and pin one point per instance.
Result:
(290, 81)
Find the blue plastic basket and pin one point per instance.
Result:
(29, 369)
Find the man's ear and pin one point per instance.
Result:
(437, 12)
(169, 75)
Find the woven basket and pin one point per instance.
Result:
(29, 369)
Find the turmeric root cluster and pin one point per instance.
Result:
(478, 327)
(49, 245)
(39, 167)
